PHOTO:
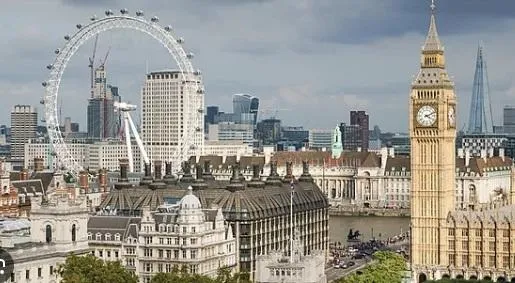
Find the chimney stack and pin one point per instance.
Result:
(24, 175)
(158, 167)
(102, 180)
(168, 168)
(491, 152)
(306, 176)
(273, 178)
(39, 164)
(83, 181)
(124, 165)
(198, 173)
(289, 172)
(467, 158)
(483, 154)
(256, 170)
(460, 153)
(235, 182)
(501, 153)
(186, 176)
(207, 176)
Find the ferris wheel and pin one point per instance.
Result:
(193, 102)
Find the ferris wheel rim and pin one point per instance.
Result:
(161, 34)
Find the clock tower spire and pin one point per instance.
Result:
(433, 134)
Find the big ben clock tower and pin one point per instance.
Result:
(433, 134)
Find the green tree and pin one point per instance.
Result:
(182, 276)
(89, 269)
(388, 267)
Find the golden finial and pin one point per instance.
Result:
(433, 6)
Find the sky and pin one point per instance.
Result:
(314, 60)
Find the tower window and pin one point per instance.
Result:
(74, 233)
(48, 233)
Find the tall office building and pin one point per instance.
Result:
(245, 108)
(509, 119)
(361, 119)
(211, 112)
(103, 121)
(164, 119)
(269, 131)
(24, 123)
(480, 116)
(351, 137)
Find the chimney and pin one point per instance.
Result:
(148, 170)
(83, 181)
(207, 175)
(168, 168)
(306, 176)
(169, 179)
(24, 175)
(289, 172)
(198, 173)
(186, 175)
(501, 154)
(460, 153)
(39, 164)
(235, 182)
(467, 158)
(102, 180)
(147, 179)
(384, 157)
(491, 152)
(124, 165)
(391, 152)
(273, 178)
(158, 167)
(483, 154)
(256, 170)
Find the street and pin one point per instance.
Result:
(337, 273)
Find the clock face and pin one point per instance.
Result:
(451, 116)
(426, 116)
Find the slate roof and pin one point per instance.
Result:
(124, 226)
(347, 158)
(239, 200)
(29, 187)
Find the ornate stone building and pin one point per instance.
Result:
(449, 241)
(174, 235)
(257, 210)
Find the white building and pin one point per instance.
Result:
(278, 267)
(227, 131)
(226, 148)
(164, 119)
(57, 228)
(175, 235)
(476, 143)
(24, 122)
(320, 139)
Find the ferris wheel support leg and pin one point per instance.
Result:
(128, 141)
(138, 140)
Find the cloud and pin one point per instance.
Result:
(318, 58)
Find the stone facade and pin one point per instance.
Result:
(174, 235)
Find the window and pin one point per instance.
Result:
(506, 233)
(51, 270)
(184, 241)
(148, 240)
(108, 252)
(451, 244)
(465, 245)
(464, 232)
(27, 274)
(479, 262)
(100, 253)
(117, 237)
(193, 241)
(451, 232)
(491, 233)
(168, 268)
(160, 254)
(506, 246)
(98, 237)
(168, 254)
(491, 261)
(74, 233)
(147, 252)
(116, 254)
(451, 259)
(48, 233)
(176, 254)
(491, 246)
(478, 245)
(90, 237)
(184, 229)
(193, 254)
(193, 230)
(39, 272)
(506, 262)
(160, 267)
(148, 267)
(465, 260)
(184, 254)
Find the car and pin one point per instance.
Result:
(358, 256)
(343, 266)
(351, 263)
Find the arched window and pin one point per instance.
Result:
(48, 233)
(74, 233)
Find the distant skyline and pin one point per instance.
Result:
(322, 57)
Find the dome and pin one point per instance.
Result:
(190, 201)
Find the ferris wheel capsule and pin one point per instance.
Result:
(200, 110)
(197, 73)
(168, 28)
(200, 91)
(50, 67)
(44, 84)
(154, 19)
(79, 26)
(180, 40)
(109, 13)
(57, 51)
(124, 11)
(42, 101)
(93, 18)
(190, 55)
(139, 13)
(66, 37)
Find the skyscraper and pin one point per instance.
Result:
(103, 122)
(433, 164)
(509, 119)
(164, 119)
(480, 116)
(245, 108)
(24, 123)
(361, 119)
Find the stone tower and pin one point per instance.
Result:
(433, 133)
(336, 143)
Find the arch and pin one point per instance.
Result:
(487, 278)
(501, 279)
(473, 277)
(512, 279)
(48, 233)
(74, 233)
(446, 276)
(333, 193)
(459, 276)
(422, 278)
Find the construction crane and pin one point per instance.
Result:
(102, 64)
(274, 111)
(92, 66)
(125, 109)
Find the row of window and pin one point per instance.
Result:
(107, 236)
(478, 261)
(28, 274)
(479, 232)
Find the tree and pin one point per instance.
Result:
(182, 276)
(388, 267)
(89, 269)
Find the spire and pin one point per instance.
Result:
(480, 115)
(432, 40)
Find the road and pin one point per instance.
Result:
(337, 273)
